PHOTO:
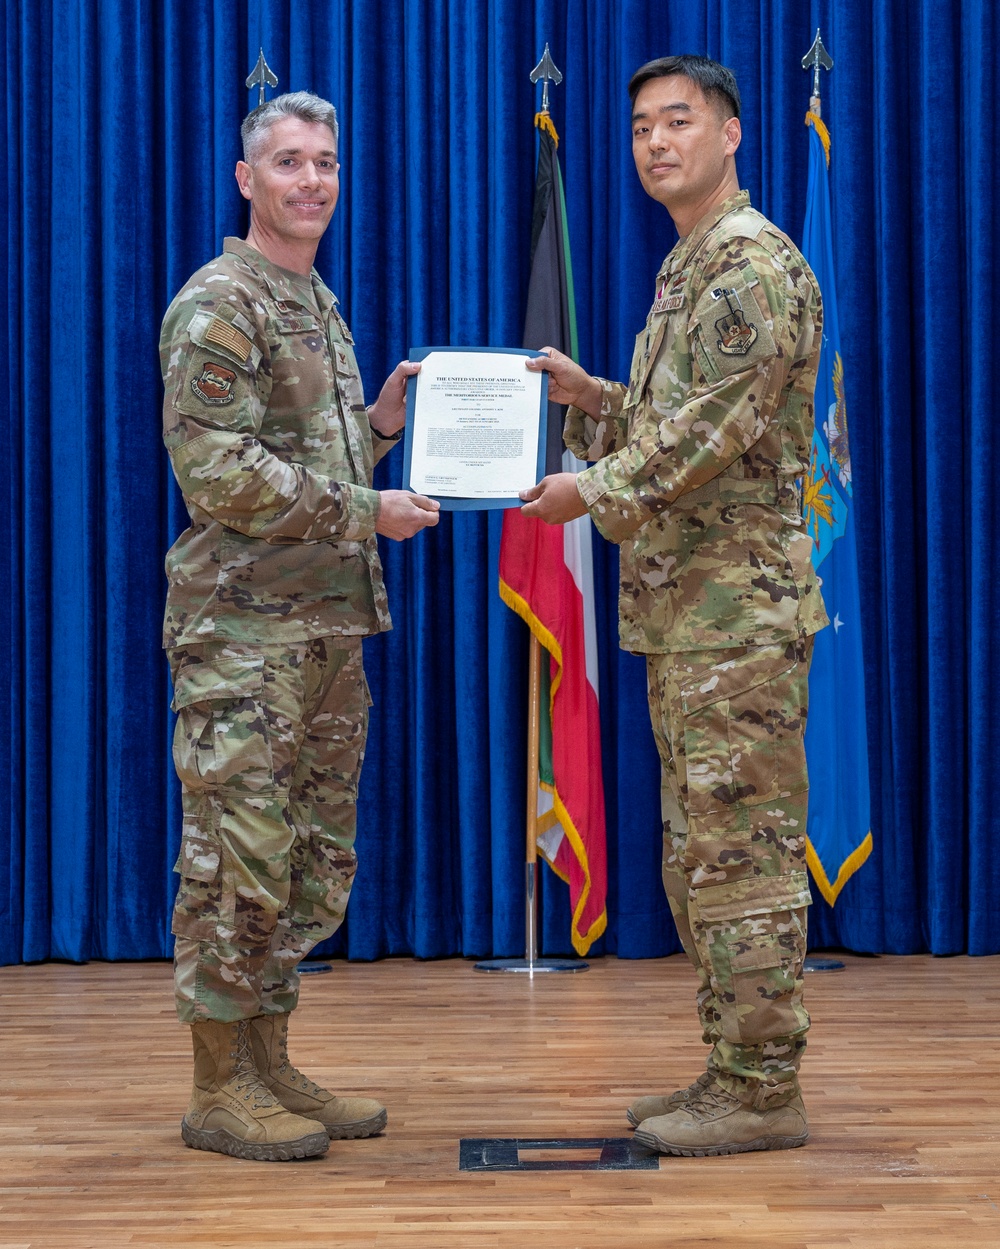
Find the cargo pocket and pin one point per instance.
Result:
(752, 935)
(221, 739)
(203, 900)
(732, 716)
(200, 857)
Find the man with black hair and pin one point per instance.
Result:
(697, 476)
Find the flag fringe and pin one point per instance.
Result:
(548, 639)
(817, 123)
(544, 122)
(847, 869)
(581, 941)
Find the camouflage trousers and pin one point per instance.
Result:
(268, 745)
(729, 727)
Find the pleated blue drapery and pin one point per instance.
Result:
(119, 139)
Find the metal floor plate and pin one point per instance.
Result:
(498, 1154)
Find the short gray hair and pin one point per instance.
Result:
(301, 104)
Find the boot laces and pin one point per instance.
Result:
(248, 1079)
(710, 1102)
(294, 1076)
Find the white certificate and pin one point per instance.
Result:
(475, 431)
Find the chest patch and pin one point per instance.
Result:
(214, 385)
(669, 295)
(736, 336)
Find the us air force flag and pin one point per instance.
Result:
(839, 837)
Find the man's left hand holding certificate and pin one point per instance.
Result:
(475, 427)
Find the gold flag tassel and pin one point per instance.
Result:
(817, 123)
(544, 122)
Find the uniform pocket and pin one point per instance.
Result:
(296, 323)
(200, 858)
(216, 365)
(732, 717)
(732, 326)
(744, 760)
(299, 335)
(222, 738)
(205, 895)
(752, 934)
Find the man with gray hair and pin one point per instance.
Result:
(271, 589)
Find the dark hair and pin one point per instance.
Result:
(717, 83)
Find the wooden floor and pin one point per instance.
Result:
(902, 1082)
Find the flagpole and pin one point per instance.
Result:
(545, 72)
(531, 963)
(815, 59)
(531, 810)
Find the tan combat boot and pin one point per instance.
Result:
(231, 1110)
(662, 1104)
(716, 1121)
(344, 1118)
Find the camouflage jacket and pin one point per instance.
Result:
(264, 419)
(700, 459)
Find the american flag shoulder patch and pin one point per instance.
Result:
(222, 334)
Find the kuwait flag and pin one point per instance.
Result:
(546, 576)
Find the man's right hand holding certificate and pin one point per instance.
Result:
(556, 499)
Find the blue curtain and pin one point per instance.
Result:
(120, 137)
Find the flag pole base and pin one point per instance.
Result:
(539, 965)
(822, 964)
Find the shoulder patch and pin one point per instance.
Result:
(214, 384)
(736, 337)
(210, 329)
(222, 334)
(732, 330)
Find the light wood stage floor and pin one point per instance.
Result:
(902, 1082)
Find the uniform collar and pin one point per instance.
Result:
(284, 284)
(686, 247)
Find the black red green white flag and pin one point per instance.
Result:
(546, 576)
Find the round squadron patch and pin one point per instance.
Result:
(214, 385)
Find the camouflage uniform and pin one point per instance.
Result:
(271, 589)
(698, 472)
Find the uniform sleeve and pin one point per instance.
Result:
(589, 439)
(741, 348)
(216, 376)
(381, 445)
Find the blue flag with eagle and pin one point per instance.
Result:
(839, 836)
